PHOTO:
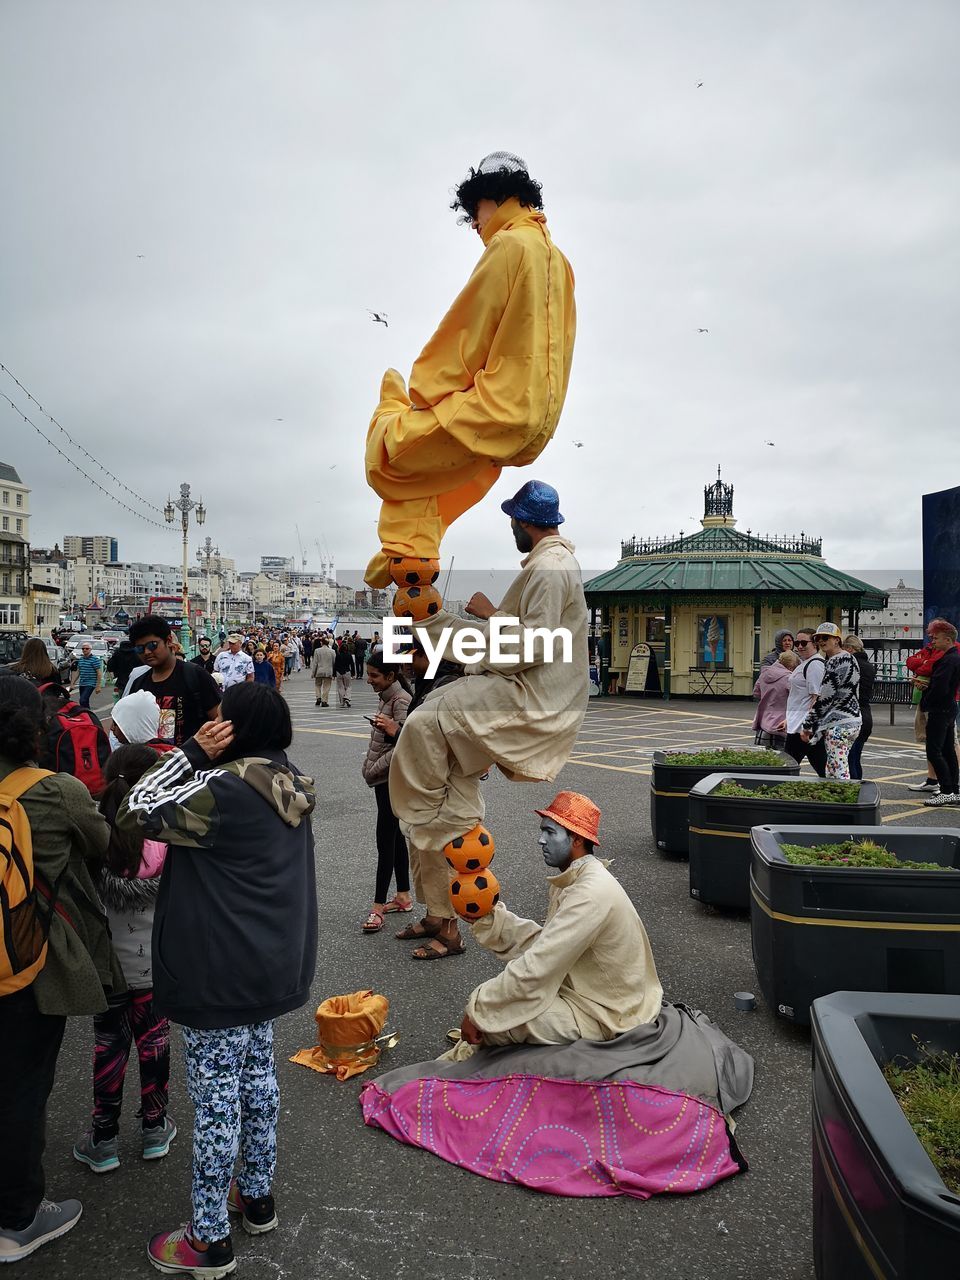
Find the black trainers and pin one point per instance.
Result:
(259, 1215)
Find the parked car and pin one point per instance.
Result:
(11, 645)
(60, 659)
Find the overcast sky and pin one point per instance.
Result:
(283, 166)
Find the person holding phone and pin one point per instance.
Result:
(387, 680)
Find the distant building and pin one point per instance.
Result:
(15, 612)
(276, 564)
(694, 615)
(101, 548)
(901, 620)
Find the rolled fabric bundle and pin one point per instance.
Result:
(348, 1028)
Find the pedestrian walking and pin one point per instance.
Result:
(69, 975)
(921, 665)
(121, 664)
(939, 704)
(772, 691)
(205, 657)
(263, 672)
(238, 886)
(128, 884)
(322, 670)
(185, 694)
(868, 674)
(89, 677)
(386, 679)
(801, 693)
(342, 666)
(835, 714)
(782, 643)
(277, 661)
(233, 666)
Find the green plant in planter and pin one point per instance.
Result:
(853, 853)
(821, 792)
(724, 757)
(928, 1092)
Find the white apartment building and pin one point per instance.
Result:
(14, 551)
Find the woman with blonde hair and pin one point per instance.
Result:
(868, 673)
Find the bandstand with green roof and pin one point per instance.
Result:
(693, 616)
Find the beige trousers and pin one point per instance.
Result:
(435, 793)
(323, 684)
(556, 1025)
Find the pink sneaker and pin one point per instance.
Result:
(174, 1253)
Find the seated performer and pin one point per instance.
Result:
(588, 972)
(522, 714)
(487, 390)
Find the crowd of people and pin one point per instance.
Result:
(137, 922)
(814, 695)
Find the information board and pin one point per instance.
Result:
(638, 669)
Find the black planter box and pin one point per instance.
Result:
(720, 830)
(880, 1210)
(817, 929)
(670, 787)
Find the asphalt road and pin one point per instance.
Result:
(354, 1203)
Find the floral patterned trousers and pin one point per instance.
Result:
(838, 740)
(232, 1082)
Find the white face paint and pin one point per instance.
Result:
(556, 844)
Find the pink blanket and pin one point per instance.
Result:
(564, 1137)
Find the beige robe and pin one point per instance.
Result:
(588, 972)
(523, 717)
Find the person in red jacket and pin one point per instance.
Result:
(921, 665)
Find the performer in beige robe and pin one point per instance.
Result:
(588, 972)
(523, 715)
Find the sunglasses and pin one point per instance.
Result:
(802, 643)
(149, 647)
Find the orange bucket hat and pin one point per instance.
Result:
(576, 813)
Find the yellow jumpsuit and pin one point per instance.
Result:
(485, 393)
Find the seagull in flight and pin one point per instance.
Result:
(141, 255)
(770, 443)
(379, 317)
(703, 331)
(578, 444)
(699, 84)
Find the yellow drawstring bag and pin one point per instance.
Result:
(348, 1035)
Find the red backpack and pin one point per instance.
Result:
(77, 744)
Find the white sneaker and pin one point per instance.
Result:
(929, 784)
(940, 799)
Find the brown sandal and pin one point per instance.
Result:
(450, 948)
(415, 932)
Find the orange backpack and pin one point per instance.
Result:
(23, 929)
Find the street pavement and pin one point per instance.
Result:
(356, 1204)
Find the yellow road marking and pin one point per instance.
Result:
(907, 813)
(903, 926)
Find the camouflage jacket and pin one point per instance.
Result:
(235, 928)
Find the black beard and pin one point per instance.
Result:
(523, 539)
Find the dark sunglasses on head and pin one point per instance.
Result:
(146, 648)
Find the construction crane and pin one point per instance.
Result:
(323, 558)
(303, 554)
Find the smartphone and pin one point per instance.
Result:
(370, 718)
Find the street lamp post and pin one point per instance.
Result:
(184, 505)
(209, 557)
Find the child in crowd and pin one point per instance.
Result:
(129, 884)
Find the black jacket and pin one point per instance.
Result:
(868, 674)
(121, 662)
(343, 662)
(941, 693)
(235, 929)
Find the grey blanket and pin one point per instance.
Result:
(683, 1051)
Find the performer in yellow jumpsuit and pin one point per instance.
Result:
(487, 390)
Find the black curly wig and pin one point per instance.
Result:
(21, 719)
(499, 185)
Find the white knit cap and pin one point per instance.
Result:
(138, 716)
(498, 160)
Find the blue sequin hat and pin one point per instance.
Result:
(536, 503)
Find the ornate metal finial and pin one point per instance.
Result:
(718, 499)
